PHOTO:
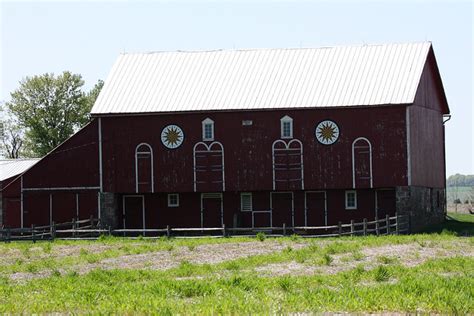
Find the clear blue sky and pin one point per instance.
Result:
(86, 37)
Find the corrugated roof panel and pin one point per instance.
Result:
(13, 167)
(263, 79)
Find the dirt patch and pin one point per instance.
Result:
(408, 255)
(162, 260)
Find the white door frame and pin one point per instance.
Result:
(143, 207)
(325, 207)
(292, 204)
(212, 196)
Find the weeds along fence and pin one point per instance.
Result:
(92, 228)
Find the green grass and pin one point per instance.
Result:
(458, 224)
(412, 290)
(235, 286)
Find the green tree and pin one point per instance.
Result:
(51, 108)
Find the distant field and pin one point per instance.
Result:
(418, 273)
(462, 193)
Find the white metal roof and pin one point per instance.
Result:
(263, 79)
(12, 167)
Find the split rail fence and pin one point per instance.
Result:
(92, 228)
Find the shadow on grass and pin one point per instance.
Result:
(459, 224)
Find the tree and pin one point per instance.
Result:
(51, 108)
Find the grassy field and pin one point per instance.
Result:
(432, 272)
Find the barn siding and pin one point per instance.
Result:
(247, 149)
(427, 132)
(75, 163)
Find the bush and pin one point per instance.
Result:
(261, 236)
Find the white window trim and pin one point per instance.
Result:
(207, 121)
(286, 119)
(241, 201)
(177, 200)
(355, 200)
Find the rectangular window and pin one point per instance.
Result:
(208, 132)
(173, 200)
(246, 202)
(351, 200)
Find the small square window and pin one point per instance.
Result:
(246, 202)
(173, 200)
(351, 200)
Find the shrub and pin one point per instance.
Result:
(261, 236)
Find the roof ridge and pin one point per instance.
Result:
(272, 48)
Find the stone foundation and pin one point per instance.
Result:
(424, 206)
(108, 209)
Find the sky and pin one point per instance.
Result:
(86, 38)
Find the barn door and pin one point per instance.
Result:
(209, 167)
(362, 163)
(386, 203)
(281, 204)
(12, 212)
(144, 169)
(287, 165)
(133, 211)
(211, 210)
(315, 203)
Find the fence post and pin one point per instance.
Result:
(53, 230)
(377, 230)
(365, 227)
(92, 221)
(168, 231)
(110, 230)
(9, 235)
(74, 227)
(387, 220)
(223, 230)
(33, 233)
(352, 227)
(397, 228)
(284, 229)
(340, 228)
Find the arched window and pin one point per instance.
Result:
(286, 127)
(207, 130)
(144, 169)
(288, 165)
(209, 167)
(362, 163)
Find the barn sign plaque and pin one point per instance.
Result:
(327, 132)
(172, 136)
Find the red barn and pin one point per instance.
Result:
(253, 138)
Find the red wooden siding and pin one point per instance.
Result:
(427, 131)
(248, 150)
(75, 163)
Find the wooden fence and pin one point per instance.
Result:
(92, 228)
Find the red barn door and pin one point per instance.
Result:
(362, 163)
(133, 212)
(211, 209)
(282, 208)
(144, 168)
(315, 208)
(287, 165)
(386, 203)
(209, 167)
